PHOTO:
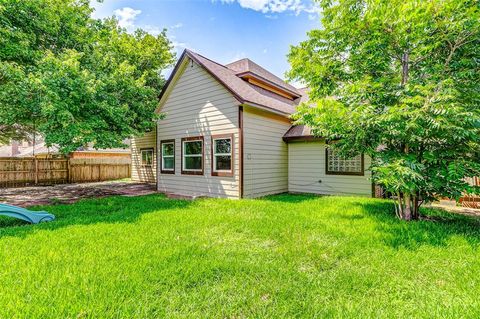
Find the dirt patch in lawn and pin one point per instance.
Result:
(70, 193)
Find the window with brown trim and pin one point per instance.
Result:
(167, 157)
(222, 155)
(146, 156)
(192, 155)
(338, 165)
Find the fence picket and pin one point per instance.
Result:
(29, 171)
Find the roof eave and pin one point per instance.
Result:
(172, 75)
(302, 138)
(241, 101)
(237, 97)
(266, 108)
(294, 94)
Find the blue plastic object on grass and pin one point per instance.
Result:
(25, 214)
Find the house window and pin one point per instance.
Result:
(338, 165)
(192, 155)
(168, 157)
(147, 156)
(222, 155)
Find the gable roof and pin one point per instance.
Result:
(243, 91)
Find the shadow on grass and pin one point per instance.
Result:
(114, 209)
(290, 198)
(436, 228)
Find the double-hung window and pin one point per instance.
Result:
(192, 155)
(146, 156)
(222, 155)
(167, 149)
(338, 165)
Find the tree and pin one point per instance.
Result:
(399, 81)
(74, 79)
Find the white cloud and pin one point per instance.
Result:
(176, 26)
(314, 12)
(153, 30)
(272, 17)
(179, 46)
(272, 6)
(126, 17)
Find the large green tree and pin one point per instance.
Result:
(74, 79)
(398, 80)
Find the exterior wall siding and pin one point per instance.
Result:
(306, 168)
(146, 174)
(265, 153)
(199, 106)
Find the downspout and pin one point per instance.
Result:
(240, 157)
(157, 156)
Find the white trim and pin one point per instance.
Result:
(215, 154)
(167, 156)
(191, 155)
(172, 83)
(141, 156)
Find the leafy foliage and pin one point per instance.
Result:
(399, 81)
(74, 79)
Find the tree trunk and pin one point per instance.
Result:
(405, 61)
(416, 207)
(400, 205)
(408, 207)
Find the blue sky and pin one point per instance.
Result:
(223, 30)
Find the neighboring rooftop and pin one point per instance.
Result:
(41, 148)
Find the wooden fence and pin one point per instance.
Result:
(98, 169)
(17, 172)
(471, 201)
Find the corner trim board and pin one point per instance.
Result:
(240, 151)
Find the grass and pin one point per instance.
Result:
(281, 256)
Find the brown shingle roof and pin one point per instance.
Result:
(247, 66)
(243, 91)
(299, 132)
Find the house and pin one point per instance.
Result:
(227, 133)
(39, 149)
(15, 148)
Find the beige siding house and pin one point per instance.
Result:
(198, 106)
(144, 148)
(226, 132)
(307, 172)
(265, 167)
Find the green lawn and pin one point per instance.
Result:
(282, 256)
